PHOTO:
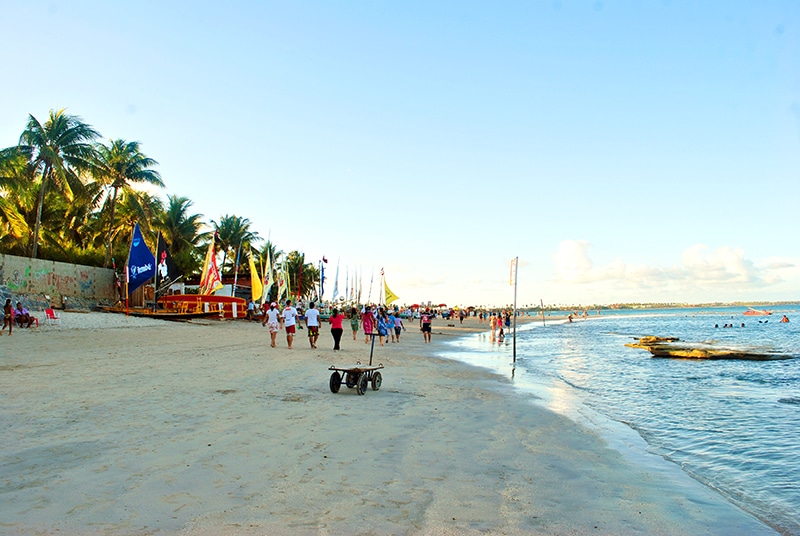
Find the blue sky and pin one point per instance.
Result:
(642, 151)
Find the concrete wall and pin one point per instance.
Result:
(38, 284)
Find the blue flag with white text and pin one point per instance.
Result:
(141, 263)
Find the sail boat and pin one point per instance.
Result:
(205, 303)
(140, 269)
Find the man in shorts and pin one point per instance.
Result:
(312, 323)
(425, 324)
(289, 319)
(272, 319)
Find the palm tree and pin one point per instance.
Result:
(56, 151)
(303, 276)
(120, 164)
(13, 176)
(233, 231)
(182, 231)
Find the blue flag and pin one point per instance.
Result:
(141, 263)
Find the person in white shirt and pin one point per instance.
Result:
(312, 323)
(272, 319)
(289, 319)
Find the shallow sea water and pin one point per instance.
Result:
(733, 425)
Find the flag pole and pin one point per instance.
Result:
(514, 341)
(542, 302)
(236, 269)
(155, 278)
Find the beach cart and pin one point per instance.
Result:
(358, 375)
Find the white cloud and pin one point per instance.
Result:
(722, 274)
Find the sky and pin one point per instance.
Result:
(624, 151)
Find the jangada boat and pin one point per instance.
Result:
(755, 312)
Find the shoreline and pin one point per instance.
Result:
(217, 433)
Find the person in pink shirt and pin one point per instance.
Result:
(336, 320)
(367, 322)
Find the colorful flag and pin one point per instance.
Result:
(210, 281)
(390, 296)
(256, 288)
(288, 279)
(336, 283)
(282, 286)
(268, 281)
(166, 271)
(141, 263)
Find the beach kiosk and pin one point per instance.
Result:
(358, 375)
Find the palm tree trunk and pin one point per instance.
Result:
(35, 248)
(110, 229)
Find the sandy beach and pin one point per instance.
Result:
(117, 425)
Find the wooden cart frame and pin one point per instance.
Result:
(358, 375)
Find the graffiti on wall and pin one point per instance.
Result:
(56, 279)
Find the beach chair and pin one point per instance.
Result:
(52, 317)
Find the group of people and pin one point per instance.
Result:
(500, 321)
(20, 315)
(379, 321)
(387, 325)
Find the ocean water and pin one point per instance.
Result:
(733, 425)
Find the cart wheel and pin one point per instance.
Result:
(351, 379)
(361, 388)
(376, 381)
(336, 382)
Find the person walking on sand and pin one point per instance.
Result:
(289, 319)
(312, 324)
(367, 322)
(336, 327)
(8, 317)
(398, 326)
(272, 319)
(390, 326)
(425, 324)
(354, 322)
(383, 327)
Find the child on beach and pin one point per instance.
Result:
(354, 321)
(8, 317)
(398, 326)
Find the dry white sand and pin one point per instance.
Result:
(115, 425)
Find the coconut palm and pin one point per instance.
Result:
(232, 232)
(120, 164)
(56, 151)
(13, 178)
(303, 276)
(134, 207)
(182, 231)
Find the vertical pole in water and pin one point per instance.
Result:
(514, 341)
(542, 302)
